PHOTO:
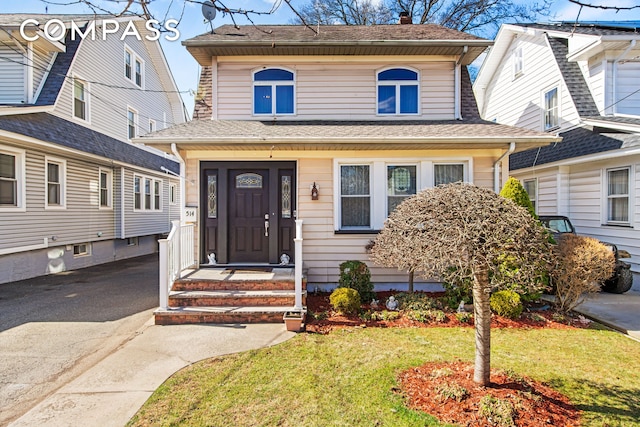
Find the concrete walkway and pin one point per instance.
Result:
(619, 312)
(113, 390)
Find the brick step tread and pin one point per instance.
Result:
(233, 285)
(284, 293)
(225, 310)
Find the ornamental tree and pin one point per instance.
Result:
(513, 190)
(466, 232)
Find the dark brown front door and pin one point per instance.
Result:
(235, 200)
(249, 216)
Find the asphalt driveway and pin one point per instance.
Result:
(54, 328)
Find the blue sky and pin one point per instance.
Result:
(185, 69)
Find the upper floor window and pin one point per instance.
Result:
(12, 175)
(152, 125)
(80, 106)
(518, 62)
(133, 67)
(56, 171)
(531, 187)
(397, 91)
(618, 195)
(551, 113)
(132, 123)
(273, 92)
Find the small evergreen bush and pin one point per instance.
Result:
(513, 190)
(356, 275)
(506, 304)
(426, 316)
(416, 301)
(345, 300)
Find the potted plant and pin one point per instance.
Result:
(294, 320)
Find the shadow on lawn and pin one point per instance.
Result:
(608, 402)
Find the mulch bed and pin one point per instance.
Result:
(426, 388)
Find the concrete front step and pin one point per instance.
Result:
(232, 298)
(220, 315)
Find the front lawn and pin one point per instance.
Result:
(349, 377)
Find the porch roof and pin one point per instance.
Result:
(344, 135)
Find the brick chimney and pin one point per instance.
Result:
(405, 18)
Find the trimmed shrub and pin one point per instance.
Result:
(583, 263)
(506, 304)
(416, 301)
(356, 275)
(345, 300)
(513, 190)
(426, 316)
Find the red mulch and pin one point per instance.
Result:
(535, 404)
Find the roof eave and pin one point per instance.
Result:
(626, 127)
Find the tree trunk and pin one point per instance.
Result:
(411, 281)
(482, 320)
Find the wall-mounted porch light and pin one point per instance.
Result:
(314, 192)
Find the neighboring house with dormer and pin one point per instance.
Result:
(578, 81)
(75, 190)
(333, 126)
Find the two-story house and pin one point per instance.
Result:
(74, 189)
(333, 126)
(578, 81)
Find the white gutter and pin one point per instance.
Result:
(496, 167)
(614, 91)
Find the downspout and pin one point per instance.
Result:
(183, 171)
(457, 84)
(496, 167)
(614, 77)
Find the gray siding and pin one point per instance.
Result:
(12, 76)
(42, 62)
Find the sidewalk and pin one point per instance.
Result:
(112, 391)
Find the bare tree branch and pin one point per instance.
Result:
(604, 7)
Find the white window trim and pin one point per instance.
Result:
(143, 206)
(397, 84)
(136, 119)
(134, 57)
(109, 173)
(87, 97)
(273, 84)
(21, 197)
(152, 126)
(605, 196)
(378, 183)
(535, 196)
(544, 107)
(63, 182)
(518, 62)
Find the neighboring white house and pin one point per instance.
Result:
(334, 126)
(581, 82)
(74, 190)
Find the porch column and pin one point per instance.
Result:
(298, 266)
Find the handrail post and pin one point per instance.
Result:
(298, 266)
(164, 273)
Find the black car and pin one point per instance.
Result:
(622, 278)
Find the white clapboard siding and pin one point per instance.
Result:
(79, 221)
(102, 61)
(42, 62)
(628, 82)
(351, 93)
(541, 73)
(595, 78)
(12, 75)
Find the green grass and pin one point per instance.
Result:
(347, 378)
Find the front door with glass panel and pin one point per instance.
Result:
(248, 212)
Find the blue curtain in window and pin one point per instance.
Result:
(284, 99)
(398, 74)
(262, 99)
(386, 99)
(408, 99)
(273, 74)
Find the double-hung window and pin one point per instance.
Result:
(448, 173)
(55, 174)
(132, 123)
(133, 67)
(12, 173)
(80, 106)
(518, 62)
(355, 196)
(105, 182)
(531, 187)
(398, 91)
(273, 92)
(137, 192)
(618, 195)
(551, 113)
(147, 193)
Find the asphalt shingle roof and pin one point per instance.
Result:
(575, 143)
(612, 29)
(53, 129)
(58, 74)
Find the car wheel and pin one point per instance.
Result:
(621, 283)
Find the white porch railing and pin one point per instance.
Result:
(176, 254)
